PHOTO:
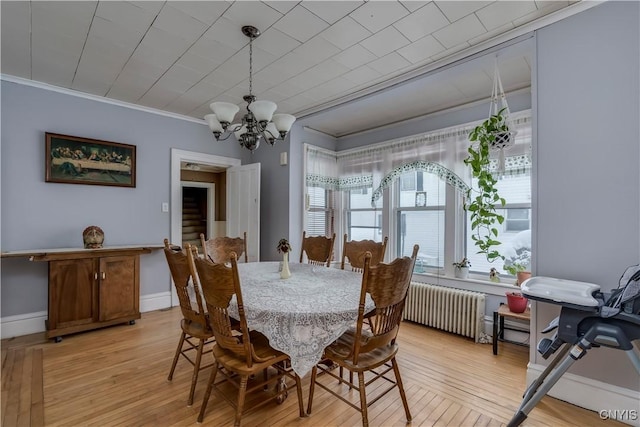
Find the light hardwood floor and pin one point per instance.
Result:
(118, 376)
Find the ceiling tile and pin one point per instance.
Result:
(301, 24)
(413, 5)
(460, 31)
(421, 22)
(354, 57)
(91, 83)
(179, 24)
(291, 64)
(158, 97)
(455, 10)
(421, 50)
(253, 13)
(331, 11)
(15, 38)
(118, 37)
(500, 13)
(389, 63)
(204, 11)
(228, 33)
(344, 33)
(385, 41)
(197, 62)
(126, 15)
(289, 89)
(474, 85)
(68, 18)
(130, 86)
(183, 74)
(544, 8)
(151, 6)
(170, 45)
(316, 50)
(215, 52)
(329, 89)
(276, 42)
(281, 6)
(376, 15)
(362, 75)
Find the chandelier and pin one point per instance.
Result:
(258, 122)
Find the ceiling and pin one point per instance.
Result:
(179, 56)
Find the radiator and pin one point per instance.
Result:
(453, 310)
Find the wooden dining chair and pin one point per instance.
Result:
(318, 249)
(372, 349)
(239, 355)
(354, 251)
(196, 331)
(217, 249)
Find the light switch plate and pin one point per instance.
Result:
(165, 207)
(283, 158)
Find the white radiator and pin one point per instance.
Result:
(449, 309)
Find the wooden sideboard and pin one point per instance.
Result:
(90, 288)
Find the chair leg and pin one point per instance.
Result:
(175, 358)
(363, 399)
(403, 396)
(196, 370)
(205, 400)
(241, 395)
(312, 385)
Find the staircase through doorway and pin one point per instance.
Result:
(194, 215)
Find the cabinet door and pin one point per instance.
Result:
(119, 287)
(72, 293)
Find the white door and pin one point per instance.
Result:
(243, 206)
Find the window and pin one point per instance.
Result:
(514, 233)
(319, 212)
(419, 183)
(361, 220)
(420, 217)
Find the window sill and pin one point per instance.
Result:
(474, 283)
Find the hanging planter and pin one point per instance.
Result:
(500, 118)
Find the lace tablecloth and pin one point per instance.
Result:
(303, 314)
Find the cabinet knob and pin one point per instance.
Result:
(104, 275)
(95, 276)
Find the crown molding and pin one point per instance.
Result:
(97, 98)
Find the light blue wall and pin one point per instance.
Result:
(36, 214)
(587, 203)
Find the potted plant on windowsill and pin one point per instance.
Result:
(518, 270)
(462, 268)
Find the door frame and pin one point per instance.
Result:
(178, 156)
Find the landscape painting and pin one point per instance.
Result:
(75, 160)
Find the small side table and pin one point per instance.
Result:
(499, 328)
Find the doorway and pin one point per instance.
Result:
(177, 157)
(198, 212)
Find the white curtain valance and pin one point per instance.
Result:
(440, 152)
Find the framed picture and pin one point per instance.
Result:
(74, 160)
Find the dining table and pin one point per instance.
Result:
(303, 314)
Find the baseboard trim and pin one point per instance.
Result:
(153, 302)
(619, 403)
(22, 324)
(31, 323)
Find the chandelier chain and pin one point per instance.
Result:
(250, 65)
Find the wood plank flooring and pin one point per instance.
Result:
(117, 376)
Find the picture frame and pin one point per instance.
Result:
(76, 160)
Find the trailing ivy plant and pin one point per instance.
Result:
(481, 202)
